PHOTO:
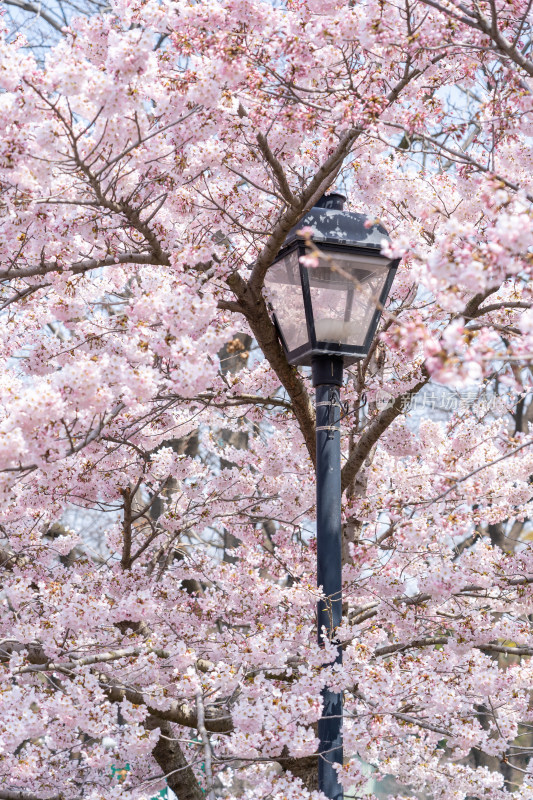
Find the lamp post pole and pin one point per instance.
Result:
(327, 380)
(327, 317)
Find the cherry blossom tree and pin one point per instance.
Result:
(153, 157)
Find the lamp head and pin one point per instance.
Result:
(333, 308)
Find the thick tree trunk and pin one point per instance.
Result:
(304, 768)
(169, 756)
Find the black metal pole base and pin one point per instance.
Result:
(327, 378)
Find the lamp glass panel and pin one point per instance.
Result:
(344, 300)
(283, 282)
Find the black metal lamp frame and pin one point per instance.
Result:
(349, 353)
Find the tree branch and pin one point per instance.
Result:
(85, 265)
(37, 9)
(177, 711)
(277, 169)
(499, 307)
(374, 430)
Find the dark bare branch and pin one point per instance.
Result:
(37, 9)
(85, 265)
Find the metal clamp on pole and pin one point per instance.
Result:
(333, 402)
(328, 428)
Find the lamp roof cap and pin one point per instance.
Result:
(333, 225)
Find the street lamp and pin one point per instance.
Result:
(326, 317)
